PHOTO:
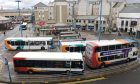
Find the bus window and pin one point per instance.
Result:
(98, 49)
(76, 64)
(8, 42)
(49, 43)
(112, 47)
(31, 42)
(17, 42)
(103, 59)
(111, 57)
(12, 43)
(26, 43)
(67, 48)
(131, 45)
(118, 46)
(124, 45)
(22, 42)
(37, 42)
(105, 48)
(67, 64)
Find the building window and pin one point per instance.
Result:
(133, 23)
(126, 23)
(104, 22)
(122, 23)
(79, 20)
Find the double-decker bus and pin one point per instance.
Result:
(29, 43)
(73, 46)
(107, 52)
(48, 61)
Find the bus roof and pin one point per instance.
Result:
(69, 35)
(29, 38)
(49, 56)
(75, 42)
(111, 42)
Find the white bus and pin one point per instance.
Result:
(29, 43)
(108, 52)
(48, 61)
(24, 26)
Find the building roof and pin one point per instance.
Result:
(86, 17)
(3, 18)
(133, 8)
(40, 4)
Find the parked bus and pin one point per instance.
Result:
(72, 46)
(108, 52)
(24, 26)
(29, 43)
(48, 61)
(69, 36)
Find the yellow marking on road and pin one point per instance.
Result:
(84, 81)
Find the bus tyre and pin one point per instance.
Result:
(42, 48)
(102, 65)
(68, 72)
(128, 59)
(30, 72)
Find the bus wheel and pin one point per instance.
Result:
(102, 65)
(42, 48)
(30, 72)
(128, 59)
(68, 72)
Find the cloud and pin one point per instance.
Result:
(12, 4)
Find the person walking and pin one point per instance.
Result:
(4, 33)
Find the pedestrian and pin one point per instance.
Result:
(4, 33)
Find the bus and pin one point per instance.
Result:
(31, 62)
(72, 46)
(108, 52)
(29, 43)
(69, 36)
(23, 26)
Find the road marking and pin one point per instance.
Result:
(85, 81)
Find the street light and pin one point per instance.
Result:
(18, 1)
(99, 27)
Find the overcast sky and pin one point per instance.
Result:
(11, 4)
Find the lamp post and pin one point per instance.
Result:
(99, 27)
(18, 1)
(73, 15)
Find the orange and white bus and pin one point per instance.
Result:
(107, 52)
(29, 43)
(73, 46)
(29, 62)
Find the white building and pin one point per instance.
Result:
(129, 18)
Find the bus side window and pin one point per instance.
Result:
(8, 42)
(67, 65)
(105, 48)
(118, 46)
(67, 48)
(22, 42)
(124, 46)
(98, 49)
(112, 47)
(12, 43)
(31, 43)
(26, 43)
